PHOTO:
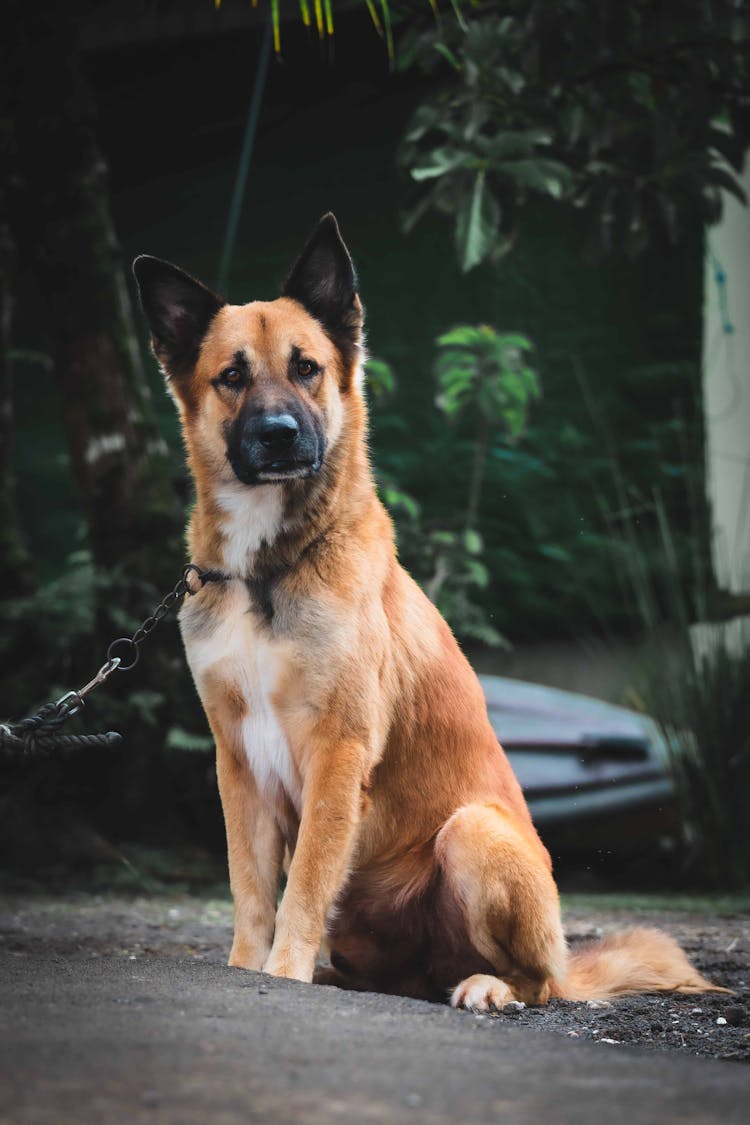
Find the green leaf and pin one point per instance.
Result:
(515, 143)
(515, 340)
(385, 8)
(373, 16)
(412, 217)
(304, 10)
(462, 334)
(477, 573)
(547, 176)
(525, 462)
(440, 161)
(473, 541)
(397, 500)
(727, 181)
(556, 553)
(380, 377)
(445, 51)
(443, 538)
(477, 223)
(179, 739)
(424, 118)
(455, 4)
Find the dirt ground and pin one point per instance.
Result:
(713, 1025)
(717, 937)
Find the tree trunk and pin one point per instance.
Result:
(15, 564)
(117, 456)
(62, 226)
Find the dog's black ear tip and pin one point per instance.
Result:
(145, 266)
(328, 225)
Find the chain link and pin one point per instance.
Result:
(39, 731)
(132, 651)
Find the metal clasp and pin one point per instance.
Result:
(78, 698)
(106, 670)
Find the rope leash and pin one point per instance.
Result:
(40, 733)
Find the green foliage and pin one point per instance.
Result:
(179, 739)
(63, 607)
(450, 567)
(55, 638)
(484, 373)
(458, 573)
(400, 504)
(638, 115)
(380, 379)
(700, 695)
(481, 369)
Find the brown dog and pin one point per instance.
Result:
(349, 727)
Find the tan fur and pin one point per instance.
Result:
(410, 840)
(637, 960)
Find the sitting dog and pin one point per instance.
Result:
(349, 727)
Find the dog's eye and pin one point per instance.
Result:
(307, 368)
(232, 377)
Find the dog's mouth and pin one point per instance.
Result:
(276, 472)
(282, 470)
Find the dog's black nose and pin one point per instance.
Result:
(278, 432)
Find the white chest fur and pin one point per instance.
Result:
(251, 517)
(241, 654)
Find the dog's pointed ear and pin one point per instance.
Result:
(324, 282)
(178, 310)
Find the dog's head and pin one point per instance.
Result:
(262, 388)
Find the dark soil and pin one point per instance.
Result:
(713, 1025)
(82, 926)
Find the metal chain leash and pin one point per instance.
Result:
(40, 732)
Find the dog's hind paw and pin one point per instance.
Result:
(482, 993)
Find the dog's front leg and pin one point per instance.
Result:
(331, 802)
(255, 849)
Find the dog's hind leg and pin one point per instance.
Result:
(500, 876)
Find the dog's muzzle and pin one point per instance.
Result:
(274, 447)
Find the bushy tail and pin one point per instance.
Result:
(637, 960)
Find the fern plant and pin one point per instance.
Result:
(488, 374)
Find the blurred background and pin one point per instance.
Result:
(546, 207)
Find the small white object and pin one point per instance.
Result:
(514, 1006)
(721, 1021)
(102, 445)
(598, 1004)
(612, 1042)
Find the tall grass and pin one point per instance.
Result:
(695, 682)
(695, 679)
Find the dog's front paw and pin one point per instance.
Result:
(247, 955)
(294, 965)
(483, 993)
